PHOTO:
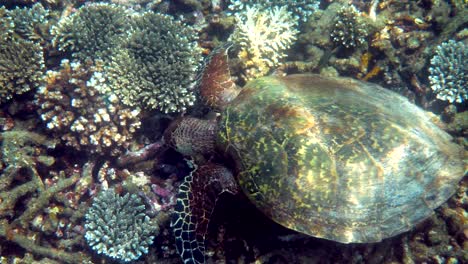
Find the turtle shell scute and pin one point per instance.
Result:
(338, 158)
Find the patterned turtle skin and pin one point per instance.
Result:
(334, 158)
(337, 158)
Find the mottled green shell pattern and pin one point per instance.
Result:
(338, 158)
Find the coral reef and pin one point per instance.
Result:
(152, 59)
(394, 50)
(19, 149)
(348, 30)
(95, 31)
(6, 23)
(157, 67)
(449, 72)
(263, 37)
(459, 125)
(35, 212)
(31, 23)
(83, 117)
(301, 9)
(118, 227)
(149, 63)
(21, 66)
(22, 30)
(138, 4)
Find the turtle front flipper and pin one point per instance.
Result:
(195, 203)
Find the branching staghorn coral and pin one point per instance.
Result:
(19, 149)
(263, 37)
(31, 212)
(81, 115)
(156, 66)
(449, 72)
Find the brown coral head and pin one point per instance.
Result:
(216, 85)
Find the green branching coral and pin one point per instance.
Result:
(348, 29)
(21, 56)
(30, 23)
(26, 181)
(93, 32)
(118, 227)
(20, 148)
(6, 23)
(157, 65)
(21, 66)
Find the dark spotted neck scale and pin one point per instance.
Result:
(216, 86)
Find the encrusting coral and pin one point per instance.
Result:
(263, 36)
(95, 31)
(157, 65)
(118, 227)
(82, 116)
(449, 72)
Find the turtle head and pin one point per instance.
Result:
(216, 85)
(192, 136)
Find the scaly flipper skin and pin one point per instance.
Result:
(195, 203)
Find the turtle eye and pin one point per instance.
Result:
(430, 198)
